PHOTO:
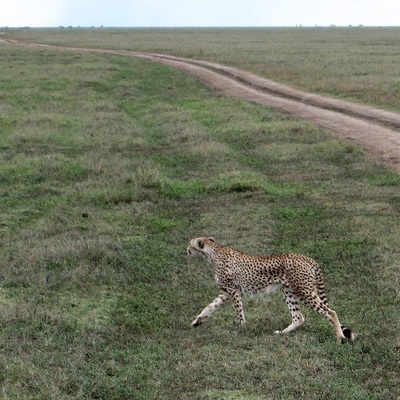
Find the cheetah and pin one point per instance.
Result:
(237, 273)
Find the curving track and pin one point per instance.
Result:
(378, 131)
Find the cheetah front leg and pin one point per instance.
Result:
(237, 302)
(212, 307)
(292, 302)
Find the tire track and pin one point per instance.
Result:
(378, 131)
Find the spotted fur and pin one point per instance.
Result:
(237, 273)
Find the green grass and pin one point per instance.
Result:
(108, 166)
(359, 64)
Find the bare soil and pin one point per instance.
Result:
(378, 131)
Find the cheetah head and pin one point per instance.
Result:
(200, 247)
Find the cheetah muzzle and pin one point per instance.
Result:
(238, 274)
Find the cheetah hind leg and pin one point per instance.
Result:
(347, 332)
(315, 302)
(292, 302)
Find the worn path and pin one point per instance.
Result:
(378, 131)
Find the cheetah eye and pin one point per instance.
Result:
(211, 238)
(200, 243)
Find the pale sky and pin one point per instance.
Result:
(198, 13)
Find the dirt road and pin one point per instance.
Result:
(378, 131)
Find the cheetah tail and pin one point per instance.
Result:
(347, 333)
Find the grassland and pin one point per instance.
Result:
(357, 64)
(108, 165)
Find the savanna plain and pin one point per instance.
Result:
(110, 164)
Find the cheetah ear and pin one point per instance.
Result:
(200, 244)
(211, 238)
